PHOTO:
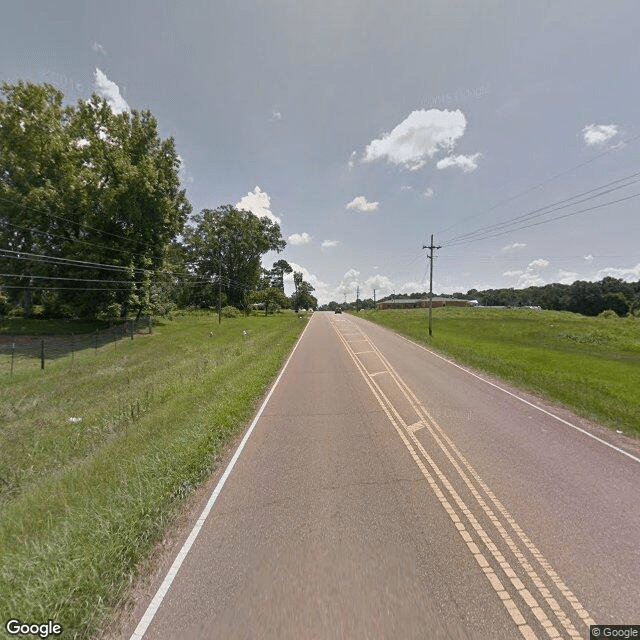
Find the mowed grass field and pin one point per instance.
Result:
(99, 453)
(591, 365)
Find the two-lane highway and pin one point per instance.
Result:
(383, 492)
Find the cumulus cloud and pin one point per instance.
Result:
(360, 203)
(406, 187)
(350, 281)
(321, 289)
(599, 134)
(110, 91)
(418, 138)
(514, 272)
(566, 277)
(378, 282)
(98, 48)
(540, 263)
(299, 238)
(275, 115)
(428, 193)
(514, 246)
(531, 276)
(628, 275)
(466, 163)
(327, 244)
(185, 177)
(589, 258)
(259, 203)
(352, 160)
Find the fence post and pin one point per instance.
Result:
(132, 321)
(42, 355)
(13, 351)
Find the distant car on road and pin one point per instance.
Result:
(338, 310)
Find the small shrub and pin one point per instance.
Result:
(608, 313)
(230, 312)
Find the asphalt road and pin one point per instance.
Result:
(384, 492)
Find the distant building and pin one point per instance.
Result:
(413, 303)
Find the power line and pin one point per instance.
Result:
(554, 206)
(544, 182)
(536, 224)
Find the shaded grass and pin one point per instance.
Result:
(591, 365)
(82, 503)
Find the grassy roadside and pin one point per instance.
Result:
(591, 365)
(82, 502)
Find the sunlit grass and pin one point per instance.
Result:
(83, 501)
(589, 364)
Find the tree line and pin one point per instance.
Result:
(94, 222)
(586, 298)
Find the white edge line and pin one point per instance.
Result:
(154, 605)
(475, 375)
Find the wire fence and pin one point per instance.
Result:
(17, 352)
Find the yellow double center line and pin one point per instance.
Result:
(476, 486)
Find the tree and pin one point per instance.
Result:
(302, 298)
(96, 193)
(225, 245)
(277, 273)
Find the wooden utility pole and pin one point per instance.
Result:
(358, 298)
(431, 247)
(220, 284)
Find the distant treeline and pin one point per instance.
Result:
(587, 298)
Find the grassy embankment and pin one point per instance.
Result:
(591, 365)
(83, 502)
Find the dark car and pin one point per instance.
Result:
(338, 310)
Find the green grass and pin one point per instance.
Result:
(591, 365)
(82, 503)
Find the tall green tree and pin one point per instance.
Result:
(83, 184)
(226, 245)
(277, 273)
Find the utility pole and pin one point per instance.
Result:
(431, 247)
(220, 284)
(358, 298)
(374, 299)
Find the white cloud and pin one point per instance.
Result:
(299, 238)
(628, 275)
(185, 177)
(418, 138)
(352, 160)
(327, 244)
(275, 115)
(566, 277)
(428, 193)
(589, 258)
(540, 263)
(599, 134)
(511, 274)
(466, 163)
(411, 287)
(110, 91)
(378, 282)
(98, 48)
(321, 289)
(360, 203)
(406, 187)
(514, 246)
(259, 203)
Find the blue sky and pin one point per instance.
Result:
(366, 126)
